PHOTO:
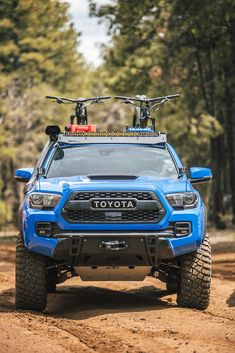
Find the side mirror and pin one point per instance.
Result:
(23, 175)
(199, 175)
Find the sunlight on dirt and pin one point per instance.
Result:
(134, 317)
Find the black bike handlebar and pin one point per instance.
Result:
(99, 98)
(171, 96)
(78, 100)
(147, 100)
(51, 97)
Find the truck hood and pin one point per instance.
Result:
(142, 183)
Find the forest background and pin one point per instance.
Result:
(157, 47)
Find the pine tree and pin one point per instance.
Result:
(38, 56)
(181, 46)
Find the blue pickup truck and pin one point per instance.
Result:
(111, 207)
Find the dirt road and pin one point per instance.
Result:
(117, 317)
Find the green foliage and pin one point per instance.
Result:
(163, 47)
(158, 47)
(38, 56)
(37, 38)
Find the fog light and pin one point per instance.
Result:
(182, 229)
(44, 229)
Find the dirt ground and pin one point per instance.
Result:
(130, 317)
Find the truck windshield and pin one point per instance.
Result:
(114, 159)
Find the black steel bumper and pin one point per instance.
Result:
(113, 248)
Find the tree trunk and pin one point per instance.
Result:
(230, 117)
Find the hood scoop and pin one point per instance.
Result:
(112, 177)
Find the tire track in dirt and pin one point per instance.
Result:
(128, 317)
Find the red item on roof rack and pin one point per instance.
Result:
(81, 128)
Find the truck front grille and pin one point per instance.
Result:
(77, 208)
(85, 216)
(119, 194)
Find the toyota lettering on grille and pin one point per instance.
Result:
(123, 204)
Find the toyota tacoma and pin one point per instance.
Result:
(111, 206)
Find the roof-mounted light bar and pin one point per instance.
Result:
(150, 138)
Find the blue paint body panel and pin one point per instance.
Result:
(24, 173)
(65, 186)
(200, 172)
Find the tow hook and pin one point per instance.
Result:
(69, 273)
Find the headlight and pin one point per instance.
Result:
(183, 200)
(40, 200)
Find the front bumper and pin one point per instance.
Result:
(113, 250)
(69, 245)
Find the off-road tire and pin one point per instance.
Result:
(136, 117)
(172, 287)
(31, 290)
(51, 280)
(194, 288)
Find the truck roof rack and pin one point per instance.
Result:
(150, 138)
